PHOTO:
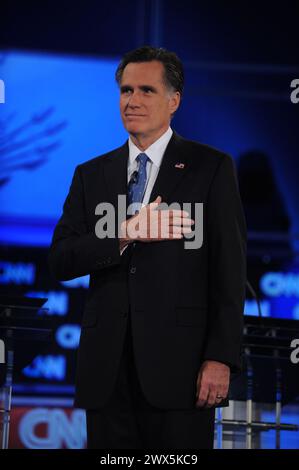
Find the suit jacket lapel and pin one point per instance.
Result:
(170, 175)
(115, 173)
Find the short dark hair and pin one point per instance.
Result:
(173, 67)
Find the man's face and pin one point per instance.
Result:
(146, 104)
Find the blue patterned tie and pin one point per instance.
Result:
(136, 186)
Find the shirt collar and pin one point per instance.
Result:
(155, 151)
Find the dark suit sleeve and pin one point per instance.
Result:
(226, 238)
(74, 250)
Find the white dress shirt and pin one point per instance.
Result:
(155, 153)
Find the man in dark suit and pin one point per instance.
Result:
(162, 326)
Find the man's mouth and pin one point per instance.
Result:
(134, 115)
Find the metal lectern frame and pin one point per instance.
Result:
(21, 319)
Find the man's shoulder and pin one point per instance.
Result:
(96, 162)
(202, 152)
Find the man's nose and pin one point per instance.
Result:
(134, 100)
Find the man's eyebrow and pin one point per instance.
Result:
(125, 87)
(141, 87)
(148, 87)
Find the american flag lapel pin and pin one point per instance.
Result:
(180, 165)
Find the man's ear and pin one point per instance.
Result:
(174, 101)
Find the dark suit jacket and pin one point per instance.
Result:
(186, 305)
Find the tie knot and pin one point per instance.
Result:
(142, 158)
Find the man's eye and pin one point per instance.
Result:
(126, 91)
(148, 90)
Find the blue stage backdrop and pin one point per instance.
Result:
(59, 111)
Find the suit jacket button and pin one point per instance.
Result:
(133, 270)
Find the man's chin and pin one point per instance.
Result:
(134, 129)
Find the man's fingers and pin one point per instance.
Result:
(152, 205)
(202, 397)
(182, 221)
(172, 213)
(215, 392)
(155, 225)
(212, 382)
(177, 235)
(178, 229)
(178, 219)
(202, 392)
(167, 231)
(222, 391)
(211, 401)
(155, 203)
(208, 397)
